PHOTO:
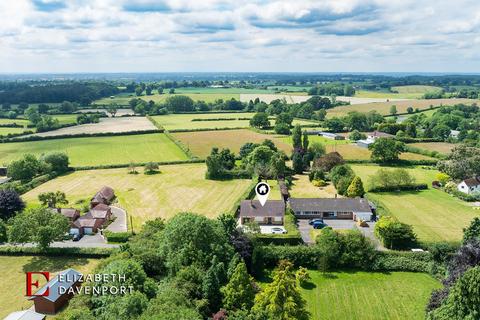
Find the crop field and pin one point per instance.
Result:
(351, 151)
(384, 107)
(12, 281)
(177, 188)
(441, 147)
(201, 143)
(185, 121)
(434, 214)
(356, 295)
(114, 125)
(100, 150)
(123, 99)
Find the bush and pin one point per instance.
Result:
(394, 234)
(319, 183)
(117, 237)
(56, 252)
(402, 261)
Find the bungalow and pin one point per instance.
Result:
(25, 315)
(331, 208)
(469, 186)
(58, 294)
(101, 211)
(86, 224)
(330, 135)
(272, 213)
(105, 196)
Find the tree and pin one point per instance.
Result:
(348, 91)
(160, 90)
(38, 225)
(212, 282)
(356, 135)
(305, 141)
(277, 164)
(281, 299)
(24, 169)
(390, 180)
(247, 148)
(462, 163)
(297, 137)
(334, 125)
(330, 246)
(151, 168)
(443, 178)
(179, 103)
(410, 110)
(328, 161)
(239, 293)
(112, 109)
(138, 91)
(52, 199)
(10, 204)
(260, 120)
(473, 231)
(355, 189)
(298, 163)
(282, 128)
(394, 234)
(441, 131)
(316, 149)
(393, 110)
(58, 161)
(32, 114)
(386, 150)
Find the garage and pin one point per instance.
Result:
(74, 231)
(88, 230)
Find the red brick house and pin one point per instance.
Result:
(101, 211)
(87, 224)
(58, 294)
(104, 196)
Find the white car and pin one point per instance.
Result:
(278, 230)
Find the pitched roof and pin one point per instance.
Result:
(69, 277)
(25, 315)
(107, 193)
(69, 212)
(87, 220)
(472, 182)
(380, 134)
(330, 204)
(253, 208)
(100, 211)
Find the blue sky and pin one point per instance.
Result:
(219, 35)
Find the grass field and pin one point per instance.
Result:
(66, 118)
(303, 188)
(352, 295)
(384, 107)
(100, 150)
(12, 281)
(123, 99)
(441, 147)
(351, 151)
(17, 121)
(434, 214)
(6, 130)
(176, 189)
(408, 92)
(201, 143)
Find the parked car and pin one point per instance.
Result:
(312, 221)
(319, 225)
(77, 237)
(278, 230)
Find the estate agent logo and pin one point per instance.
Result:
(30, 284)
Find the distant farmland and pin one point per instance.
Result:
(100, 150)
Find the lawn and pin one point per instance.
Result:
(384, 107)
(177, 188)
(441, 147)
(303, 188)
(12, 281)
(434, 214)
(201, 143)
(100, 150)
(359, 295)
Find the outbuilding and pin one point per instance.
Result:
(25, 315)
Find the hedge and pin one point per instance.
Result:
(280, 239)
(82, 135)
(433, 154)
(205, 129)
(412, 187)
(425, 162)
(11, 125)
(413, 140)
(181, 145)
(137, 164)
(10, 250)
(117, 237)
(466, 197)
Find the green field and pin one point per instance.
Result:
(404, 92)
(12, 281)
(100, 150)
(66, 118)
(434, 214)
(419, 89)
(123, 99)
(352, 295)
(6, 130)
(178, 188)
(441, 147)
(17, 121)
(184, 121)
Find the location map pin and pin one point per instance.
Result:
(262, 189)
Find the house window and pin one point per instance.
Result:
(246, 220)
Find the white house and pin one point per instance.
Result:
(365, 143)
(454, 134)
(469, 186)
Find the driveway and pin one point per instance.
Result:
(304, 229)
(120, 222)
(87, 241)
(368, 233)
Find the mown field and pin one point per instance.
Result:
(384, 107)
(231, 120)
(441, 147)
(408, 92)
(201, 143)
(434, 214)
(123, 99)
(12, 281)
(356, 295)
(178, 188)
(100, 150)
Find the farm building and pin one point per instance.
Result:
(365, 143)
(331, 208)
(469, 186)
(58, 294)
(330, 135)
(25, 315)
(378, 134)
(272, 213)
(104, 196)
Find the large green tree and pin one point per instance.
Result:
(260, 120)
(386, 150)
(239, 293)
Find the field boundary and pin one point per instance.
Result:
(137, 164)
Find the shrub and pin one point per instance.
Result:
(118, 237)
(394, 234)
(319, 183)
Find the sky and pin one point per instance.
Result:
(54, 36)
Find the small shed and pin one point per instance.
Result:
(25, 315)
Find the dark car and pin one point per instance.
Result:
(77, 237)
(312, 221)
(318, 225)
